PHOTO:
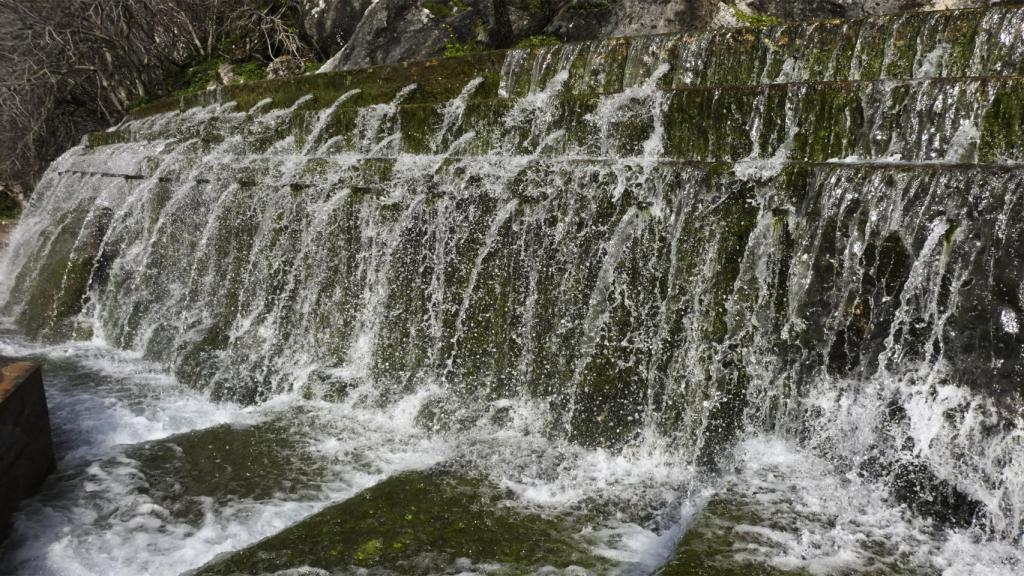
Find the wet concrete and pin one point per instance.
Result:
(26, 444)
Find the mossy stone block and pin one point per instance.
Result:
(416, 523)
(713, 547)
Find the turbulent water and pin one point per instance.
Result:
(783, 267)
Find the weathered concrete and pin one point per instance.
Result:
(26, 445)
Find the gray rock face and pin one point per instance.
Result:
(367, 33)
(587, 19)
(328, 24)
(393, 31)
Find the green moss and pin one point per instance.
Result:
(417, 523)
(53, 292)
(253, 71)
(199, 77)
(453, 48)
(225, 463)
(538, 41)
(438, 9)
(311, 66)
(754, 19)
(1002, 127)
(437, 80)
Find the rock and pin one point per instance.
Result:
(284, 67)
(26, 444)
(588, 19)
(362, 33)
(438, 521)
(328, 24)
(226, 74)
(394, 31)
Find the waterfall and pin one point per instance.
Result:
(812, 231)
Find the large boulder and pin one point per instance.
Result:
(328, 24)
(393, 31)
(588, 19)
(364, 33)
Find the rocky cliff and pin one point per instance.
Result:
(364, 33)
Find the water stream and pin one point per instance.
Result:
(650, 290)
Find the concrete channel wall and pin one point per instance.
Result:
(26, 445)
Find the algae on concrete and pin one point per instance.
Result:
(262, 461)
(417, 523)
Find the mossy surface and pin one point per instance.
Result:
(744, 530)
(538, 41)
(713, 547)
(267, 460)
(62, 276)
(416, 523)
(437, 80)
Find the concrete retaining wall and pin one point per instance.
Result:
(26, 445)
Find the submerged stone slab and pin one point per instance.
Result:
(770, 525)
(26, 445)
(263, 461)
(418, 523)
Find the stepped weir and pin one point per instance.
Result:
(784, 263)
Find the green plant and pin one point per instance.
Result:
(198, 77)
(141, 101)
(454, 48)
(438, 9)
(253, 71)
(538, 41)
(754, 19)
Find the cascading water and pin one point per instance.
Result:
(771, 275)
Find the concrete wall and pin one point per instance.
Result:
(26, 445)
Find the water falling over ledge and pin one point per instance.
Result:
(680, 287)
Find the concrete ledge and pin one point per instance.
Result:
(26, 445)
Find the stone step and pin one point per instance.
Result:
(946, 44)
(939, 44)
(437, 80)
(438, 521)
(374, 175)
(940, 120)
